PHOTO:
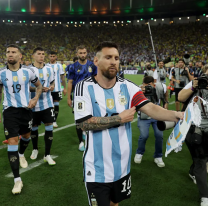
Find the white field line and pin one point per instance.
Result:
(31, 166)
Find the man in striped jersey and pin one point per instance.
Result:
(76, 72)
(17, 106)
(104, 107)
(59, 80)
(43, 111)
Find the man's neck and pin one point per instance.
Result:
(83, 62)
(38, 65)
(14, 67)
(53, 62)
(105, 82)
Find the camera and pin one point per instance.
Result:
(162, 77)
(149, 90)
(184, 73)
(203, 82)
(182, 83)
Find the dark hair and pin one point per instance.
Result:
(75, 59)
(53, 53)
(15, 46)
(148, 79)
(81, 47)
(38, 49)
(160, 61)
(105, 44)
(182, 60)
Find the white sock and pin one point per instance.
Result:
(21, 155)
(17, 179)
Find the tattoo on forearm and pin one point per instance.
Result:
(63, 81)
(99, 123)
(38, 91)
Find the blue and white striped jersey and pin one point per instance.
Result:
(58, 71)
(16, 86)
(46, 77)
(107, 157)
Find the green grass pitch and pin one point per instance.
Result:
(62, 184)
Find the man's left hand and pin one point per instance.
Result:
(64, 91)
(179, 115)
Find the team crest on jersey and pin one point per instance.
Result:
(80, 106)
(24, 78)
(15, 78)
(41, 75)
(47, 74)
(78, 71)
(90, 69)
(122, 100)
(110, 103)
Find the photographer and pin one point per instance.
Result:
(197, 137)
(160, 73)
(155, 93)
(148, 71)
(181, 77)
(198, 69)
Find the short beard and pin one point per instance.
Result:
(12, 62)
(108, 75)
(82, 60)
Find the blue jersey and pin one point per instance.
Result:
(16, 86)
(77, 72)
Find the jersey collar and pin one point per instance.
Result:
(14, 71)
(94, 80)
(38, 68)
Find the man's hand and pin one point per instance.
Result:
(127, 115)
(46, 89)
(32, 103)
(143, 88)
(64, 91)
(179, 115)
(51, 88)
(69, 101)
(178, 81)
(195, 83)
(187, 69)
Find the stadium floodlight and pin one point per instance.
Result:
(162, 19)
(23, 10)
(114, 22)
(128, 21)
(9, 20)
(94, 22)
(118, 22)
(3, 21)
(90, 22)
(152, 19)
(71, 22)
(25, 42)
(137, 21)
(75, 22)
(188, 17)
(141, 19)
(51, 22)
(83, 22)
(98, 22)
(24, 21)
(59, 22)
(122, 22)
(32, 21)
(155, 19)
(179, 18)
(106, 22)
(67, 26)
(20, 22)
(44, 22)
(204, 14)
(67, 22)
(80, 22)
(36, 22)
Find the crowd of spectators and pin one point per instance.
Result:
(169, 40)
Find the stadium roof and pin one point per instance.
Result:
(102, 7)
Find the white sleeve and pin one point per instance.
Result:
(164, 87)
(82, 103)
(52, 78)
(155, 75)
(188, 86)
(61, 69)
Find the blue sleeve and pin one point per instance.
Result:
(71, 73)
(94, 70)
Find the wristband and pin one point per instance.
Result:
(193, 89)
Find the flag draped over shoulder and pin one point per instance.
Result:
(178, 135)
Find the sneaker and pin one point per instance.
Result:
(193, 178)
(34, 154)
(81, 147)
(204, 201)
(138, 158)
(49, 159)
(5, 142)
(18, 185)
(159, 162)
(23, 162)
(55, 125)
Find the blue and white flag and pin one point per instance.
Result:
(178, 135)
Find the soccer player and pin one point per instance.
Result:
(104, 107)
(17, 114)
(76, 72)
(43, 111)
(59, 79)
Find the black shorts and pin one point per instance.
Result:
(17, 121)
(102, 193)
(177, 90)
(56, 96)
(45, 116)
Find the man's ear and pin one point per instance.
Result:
(96, 61)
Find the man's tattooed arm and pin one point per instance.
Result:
(99, 123)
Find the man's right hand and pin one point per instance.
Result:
(178, 81)
(195, 83)
(69, 101)
(127, 115)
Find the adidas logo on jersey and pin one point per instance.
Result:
(6, 80)
(89, 173)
